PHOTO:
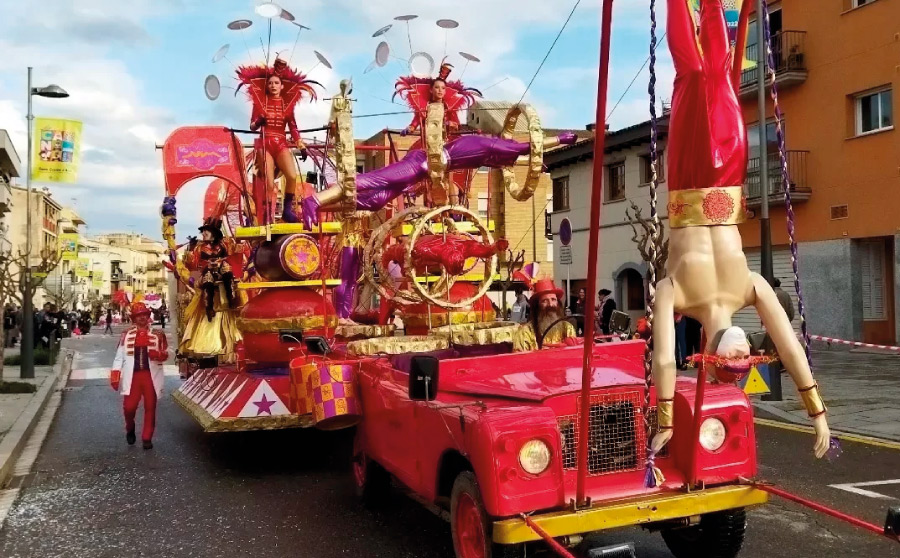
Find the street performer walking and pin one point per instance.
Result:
(137, 372)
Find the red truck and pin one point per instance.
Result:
(491, 438)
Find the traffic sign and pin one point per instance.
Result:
(565, 254)
(565, 233)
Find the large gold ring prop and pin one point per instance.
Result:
(434, 143)
(447, 281)
(535, 155)
(374, 251)
(344, 147)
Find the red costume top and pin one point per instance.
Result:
(277, 111)
(707, 139)
(417, 94)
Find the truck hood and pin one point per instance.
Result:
(537, 385)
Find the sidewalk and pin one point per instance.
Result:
(861, 390)
(19, 413)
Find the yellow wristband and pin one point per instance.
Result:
(665, 414)
(812, 400)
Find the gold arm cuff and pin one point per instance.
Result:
(665, 415)
(707, 207)
(812, 400)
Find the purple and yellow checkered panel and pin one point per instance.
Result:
(335, 403)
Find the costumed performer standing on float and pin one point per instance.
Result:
(545, 311)
(137, 372)
(208, 333)
(707, 274)
(275, 93)
(419, 92)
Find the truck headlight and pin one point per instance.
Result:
(534, 457)
(712, 434)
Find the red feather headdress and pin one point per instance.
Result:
(417, 91)
(296, 84)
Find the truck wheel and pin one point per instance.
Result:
(719, 535)
(470, 525)
(372, 481)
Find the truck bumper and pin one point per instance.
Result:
(626, 513)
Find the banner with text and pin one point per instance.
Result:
(82, 267)
(98, 279)
(68, 246)
(57, 150)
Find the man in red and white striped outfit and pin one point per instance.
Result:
(137, 372)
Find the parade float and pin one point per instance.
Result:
(518, 447)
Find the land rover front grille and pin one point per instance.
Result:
(618, 437)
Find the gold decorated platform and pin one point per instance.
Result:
(211, 423)
(281, 284)
(267, 231)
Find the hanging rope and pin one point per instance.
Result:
(785, 182)
(653, 477)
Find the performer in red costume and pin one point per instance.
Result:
(137, 372)
(418, 92)
(274, 93)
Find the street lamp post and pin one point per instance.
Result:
(27, 354)
(765, 230)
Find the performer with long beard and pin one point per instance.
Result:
(545, 310)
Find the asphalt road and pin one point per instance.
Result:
(289, 494)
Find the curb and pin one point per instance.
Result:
(777, 415)
(17, 437)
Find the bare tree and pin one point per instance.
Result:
(12, 281)
(510, 264)
(643, 232)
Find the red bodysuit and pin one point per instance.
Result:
(272, 134)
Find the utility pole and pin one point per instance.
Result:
(765, 230)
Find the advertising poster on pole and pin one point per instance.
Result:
(57, 150)
(68, 246)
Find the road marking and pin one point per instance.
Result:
(840, 435)
(854, 488)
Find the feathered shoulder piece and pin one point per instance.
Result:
(416, 91)
(296, 84)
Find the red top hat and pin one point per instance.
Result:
(139, 308)
(546, 286)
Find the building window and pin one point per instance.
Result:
(660, 168)
(615, 182)
(483, 205)
(561, 194)
(874, 111)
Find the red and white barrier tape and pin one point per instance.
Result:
(853, 343)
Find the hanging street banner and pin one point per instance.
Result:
(82, 267)
(98, 279)
(68, 246)
(57, 150)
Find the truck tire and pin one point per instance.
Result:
(372, 481)
(719, 535)
(470, 525)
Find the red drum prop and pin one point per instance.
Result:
(333, 393)
(291, 257)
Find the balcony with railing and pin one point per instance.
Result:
(797, 179)
(789, 52)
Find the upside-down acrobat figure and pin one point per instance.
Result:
(707, 274)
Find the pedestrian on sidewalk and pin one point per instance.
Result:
(604, 310)
(109, 320)
(137, 372)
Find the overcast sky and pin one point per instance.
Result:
(135, 71)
